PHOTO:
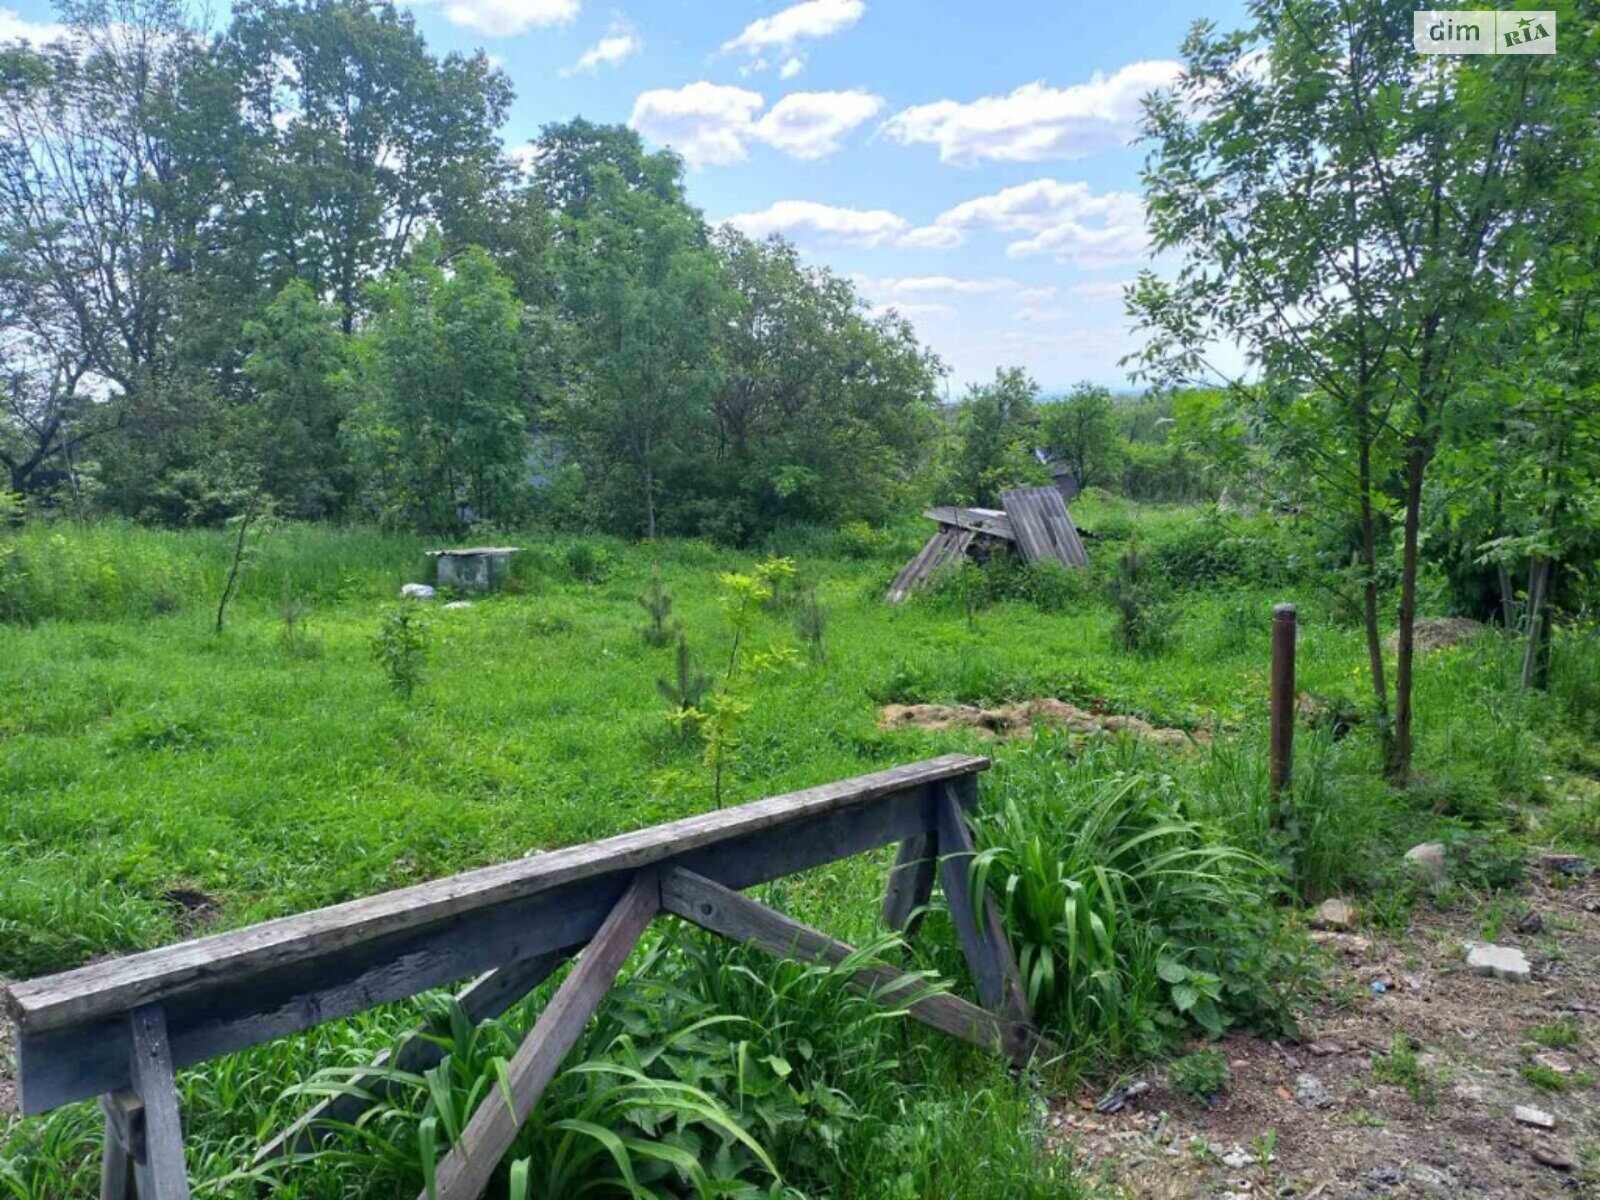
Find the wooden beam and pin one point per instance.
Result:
(728, 914)
(116, 986)
(994, 522)
(215, 1009)
(124, 1132)
(977, 921)
(467, 1169)
(159, 1172)
(910, 883)
(490, 995)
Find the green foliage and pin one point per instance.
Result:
(657, 604)
(1402, 1067)
(1144, 619)
(1133, 923)
(811, 624)
(686, 690)
(1201, 1076)
(401, 647)
(1081, 432)
(996, 427)
(1557, 1035)
(439, 429)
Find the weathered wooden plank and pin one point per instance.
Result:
(910, 883)
(57, 1066)
(1043, 527)
(991, 521)
(124, 1130)
(490, 995)
(946, 546)
(740, 919)
(976, 920)
(466, 1170)
(118, 985)
(159, 1172)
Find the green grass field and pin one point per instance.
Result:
(143, 757)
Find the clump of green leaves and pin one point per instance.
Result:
(293, 611)
(401, 647)
(1402, 1067)
(1201, 1076)
(587, 563)
(775, 574)
(1144, 619)
(1557, 1034)
(657, 604)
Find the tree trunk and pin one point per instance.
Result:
(1369, 603)
(1399, 766)
(1535, 660)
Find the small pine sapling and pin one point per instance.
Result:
(811, 624)
(686, 691)
(292, 613)
(657, 604)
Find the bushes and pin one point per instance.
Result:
(1134, 923)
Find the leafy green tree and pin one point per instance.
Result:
(645, 298)
(1336, 207)
(297, 369)
(357, 141)
(440, 431)
(996, 430)
(1081, 431)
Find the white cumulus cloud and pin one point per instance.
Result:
(502, 18)
(619, 44)
(1036, 121)
(852, 226)
(14, 27)
(714, 123)
(1068, 221)
(811, 124)
(783, 31)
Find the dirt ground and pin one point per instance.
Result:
(1456, 1137)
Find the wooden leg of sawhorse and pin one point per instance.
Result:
(144, 1133)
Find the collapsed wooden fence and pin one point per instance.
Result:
(119, 1029)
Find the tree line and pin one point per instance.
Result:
(290, 262)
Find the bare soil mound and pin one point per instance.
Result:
(1021, 719)
(1440, 633)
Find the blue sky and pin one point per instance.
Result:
(967, 164)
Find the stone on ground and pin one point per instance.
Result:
(1502, 962)
(1334, 914)
(416, 591)
(1536, 1117)
(1428, 858)
(1311, 1092)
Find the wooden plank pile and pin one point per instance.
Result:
(1034, 524)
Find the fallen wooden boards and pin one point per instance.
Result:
(224, 993)
(1035, 521)
(947, 546)
(1043, 529)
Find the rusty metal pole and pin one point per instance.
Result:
(1282, 755)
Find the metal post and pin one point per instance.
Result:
(1282, 756)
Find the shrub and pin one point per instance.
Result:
(657, 604)
(401, 647)
(1133, 923)
(1201, 1076)
(857, 539)
(1144, 619)
(586, 562)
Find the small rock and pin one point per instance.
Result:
(1118, 1097)
(416, 591)
(1324, 1049)
(457, 604)
(1568, 864)
(1428, 858)
(1383, 1177)
(1553, 1157)
(1334, 914)
(1532, 922)
(1559, 1063)
(1235, 1159)
(1471, 1093)
(1311, 1092)
(1502, 962)
(1536, 1117)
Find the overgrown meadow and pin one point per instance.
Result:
(159, 779)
